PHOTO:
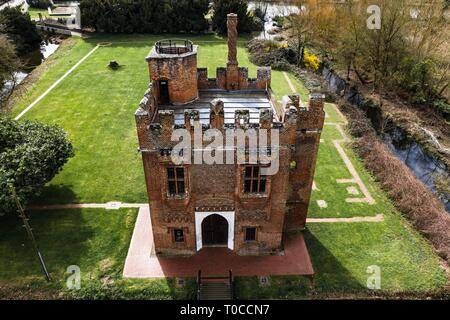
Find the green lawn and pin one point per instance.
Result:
(34, 12)
(331, 167)
(341, 254)
(96, 107)
(96, 240)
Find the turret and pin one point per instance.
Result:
(173, 70)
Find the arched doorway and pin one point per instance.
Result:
(214, 230)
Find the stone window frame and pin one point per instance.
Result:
(245, 234)
(185, 230)
(184, 195)
(242, 191)
(174, 239)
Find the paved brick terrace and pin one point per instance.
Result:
(141, 263)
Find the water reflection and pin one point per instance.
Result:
(31, 61)
(272, 10)
(35, 59)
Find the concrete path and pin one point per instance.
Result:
(351, 168)
(144, 210)
(141, 246)
(42, 96)
(377, 218)
(112, 205)
(343, 118)
(368, 198)
(289, 82)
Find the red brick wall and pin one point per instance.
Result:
(180, 72)
(219, 187)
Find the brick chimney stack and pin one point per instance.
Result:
(232, 38)
(232, 65)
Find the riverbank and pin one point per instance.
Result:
(412, 198)
(410, 133)
(375, 139)
(52, 49)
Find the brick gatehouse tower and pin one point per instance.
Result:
(232, 205)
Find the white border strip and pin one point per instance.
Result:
(55, 84)
(377, 218)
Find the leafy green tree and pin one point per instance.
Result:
(149, 16)
(19, 28)
(190, 15)
(41, 4)
(224, 7)
(31, 154)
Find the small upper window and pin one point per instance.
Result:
(250, 234)
(178, 235)
(175, 181)
(254, 182)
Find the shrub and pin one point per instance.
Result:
(258, 12)
(271, 53)
(257, 24)
(31, 154)
(416, 76)
(310, 60)
(279, 38)
(443, 107)
(161, 289)
(278, 21)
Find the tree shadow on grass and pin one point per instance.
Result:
(150, 39)
(331, 279)
(55, 194)
(330, 275)
(62, 236)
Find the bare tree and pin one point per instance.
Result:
(10, 64)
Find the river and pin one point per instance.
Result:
(33, 60)
(272, 10)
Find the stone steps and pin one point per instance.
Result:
(215, 291)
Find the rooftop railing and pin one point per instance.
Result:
(174, 46)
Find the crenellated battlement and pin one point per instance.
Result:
(156, 127)
(310, 117)
(262, 80)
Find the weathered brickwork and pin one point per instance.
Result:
(281, 207)
(180, 72)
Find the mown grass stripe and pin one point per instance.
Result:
(42, 96)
